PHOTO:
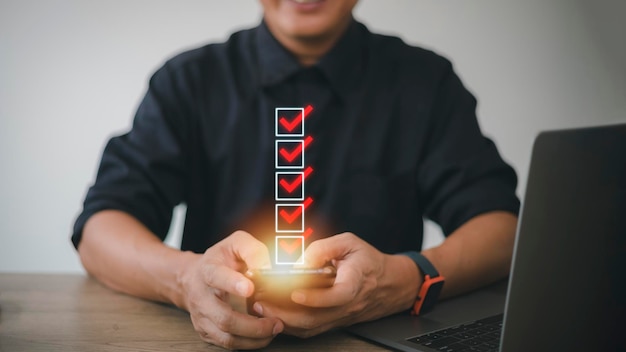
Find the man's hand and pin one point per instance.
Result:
(369, 285)
(211, 278)
(124, 255)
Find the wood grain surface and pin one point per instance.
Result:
(49, 312)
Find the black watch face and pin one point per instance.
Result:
(431, 296)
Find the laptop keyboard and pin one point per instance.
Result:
(480, 335)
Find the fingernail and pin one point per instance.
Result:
(242, 288)
(298, 297)
(278, 328)
(258, 308)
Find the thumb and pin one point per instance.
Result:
(320, 252)
(249, 250)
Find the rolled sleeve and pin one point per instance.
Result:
(463, 175)
(142, 172)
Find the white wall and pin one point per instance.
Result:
(72, 73)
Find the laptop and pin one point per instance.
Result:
(567, 287)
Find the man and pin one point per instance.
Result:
(395, 139)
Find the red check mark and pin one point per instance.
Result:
(289, 156)
(307, 233)
(289, 187)
(289, 126)
(290, 248)
(290, 217)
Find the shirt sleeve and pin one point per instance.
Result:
(462, 175)
(142, 172)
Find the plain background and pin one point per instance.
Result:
(72, 73)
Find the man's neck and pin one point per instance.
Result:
(309, 51)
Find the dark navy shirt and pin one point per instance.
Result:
(395, 139)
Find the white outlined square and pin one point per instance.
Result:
(278, 251)
(290, 228)
(290, 152)
(280, 186)
(289, 119)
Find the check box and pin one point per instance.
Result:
(289, 122)
(289, 250)
(290, 186)
(289, 218)
(290, 154)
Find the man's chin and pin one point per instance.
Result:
(311, 33)
(311, 37)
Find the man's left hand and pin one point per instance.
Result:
(369, 285)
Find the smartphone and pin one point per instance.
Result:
(276, 285)
(291, 279)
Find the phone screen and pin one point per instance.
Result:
(290, 279)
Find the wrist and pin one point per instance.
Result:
(406, 280)
(184, 275)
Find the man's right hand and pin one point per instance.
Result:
(124, 255)
(210, 278)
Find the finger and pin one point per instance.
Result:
(226, 279)
(302, 321)
(250, 250)
(218, 313)
(345, 289)
(230, 321)
(212, 334)
(325, 250)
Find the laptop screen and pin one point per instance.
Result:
(568, 283)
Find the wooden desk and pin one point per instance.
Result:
(76, 313)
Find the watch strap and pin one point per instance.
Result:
(424, 265)
(431, 285)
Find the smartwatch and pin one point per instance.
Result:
(431, 285)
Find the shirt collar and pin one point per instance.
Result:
(342, 65)
(275, 62)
